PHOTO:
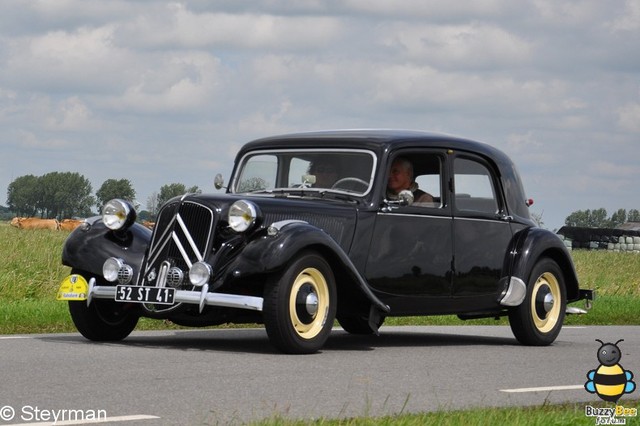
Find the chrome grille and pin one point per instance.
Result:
(182, 236)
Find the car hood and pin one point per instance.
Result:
(336, 217)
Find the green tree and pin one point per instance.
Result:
(54, 194)
(618, 218)
(114, 188)
(169, 191)
(578, 218)
(23, 195)
(64, 195)
(598, 218)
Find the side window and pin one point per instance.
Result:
(420, 173)
(474, 190)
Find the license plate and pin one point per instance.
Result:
(142, 294)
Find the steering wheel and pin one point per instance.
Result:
(350, 181)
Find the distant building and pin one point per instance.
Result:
(630, 226)
(624, 238)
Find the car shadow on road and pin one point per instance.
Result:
(255, 340)
(400, 338)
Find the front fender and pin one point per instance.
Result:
(89, 245)
(270, 253)
(531, 244)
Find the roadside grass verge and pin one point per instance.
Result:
(545, 415)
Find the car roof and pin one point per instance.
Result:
(375, 139)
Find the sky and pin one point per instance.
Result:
(161, 92)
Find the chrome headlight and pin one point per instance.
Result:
(118, 214)
(199, 274)
(242, 215)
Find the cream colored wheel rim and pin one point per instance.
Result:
(546, 284)
(309, 303)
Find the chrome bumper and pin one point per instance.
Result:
(201, 298)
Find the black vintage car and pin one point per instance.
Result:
(312, 228)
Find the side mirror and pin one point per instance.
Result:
(218, 181)
(405, 197)
(308, 180)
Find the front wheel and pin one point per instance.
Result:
(300, 305)
(538, 320)
(103, 320)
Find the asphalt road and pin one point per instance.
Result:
(234, 376)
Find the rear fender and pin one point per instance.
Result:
(89, 245)
(271, 253)
(532, 244)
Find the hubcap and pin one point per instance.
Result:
(544, 307)
(309, 303)
(548, 302)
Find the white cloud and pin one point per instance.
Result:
(174, 83)
(630, 20)
(459, 47)
(629, 117)
(83, 59)
(71, 114)
(179, 26)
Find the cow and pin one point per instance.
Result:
(70, 224)
(16, 220)
(35, 223)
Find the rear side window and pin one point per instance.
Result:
(474, 187)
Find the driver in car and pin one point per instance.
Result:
(401, 178)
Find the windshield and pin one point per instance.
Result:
(349, 171)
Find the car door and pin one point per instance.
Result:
(411, 250)
(481, 231)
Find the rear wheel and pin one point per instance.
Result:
(538, 320)
(300, 305)
(103, 320)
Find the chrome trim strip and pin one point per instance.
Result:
(430, 216)
(515, 293)
(192, 297)
(242, 163)
(181, 249)
(162, 241)
(192, 243)
(162, 274)
(282, 223)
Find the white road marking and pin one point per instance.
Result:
(14, 337)
(88, 422)
(543, 389)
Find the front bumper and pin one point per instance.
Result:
(201, 298)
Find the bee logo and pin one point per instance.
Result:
(609, 381)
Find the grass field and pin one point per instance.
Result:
(31, 272)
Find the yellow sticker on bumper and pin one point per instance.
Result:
(74, 287)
